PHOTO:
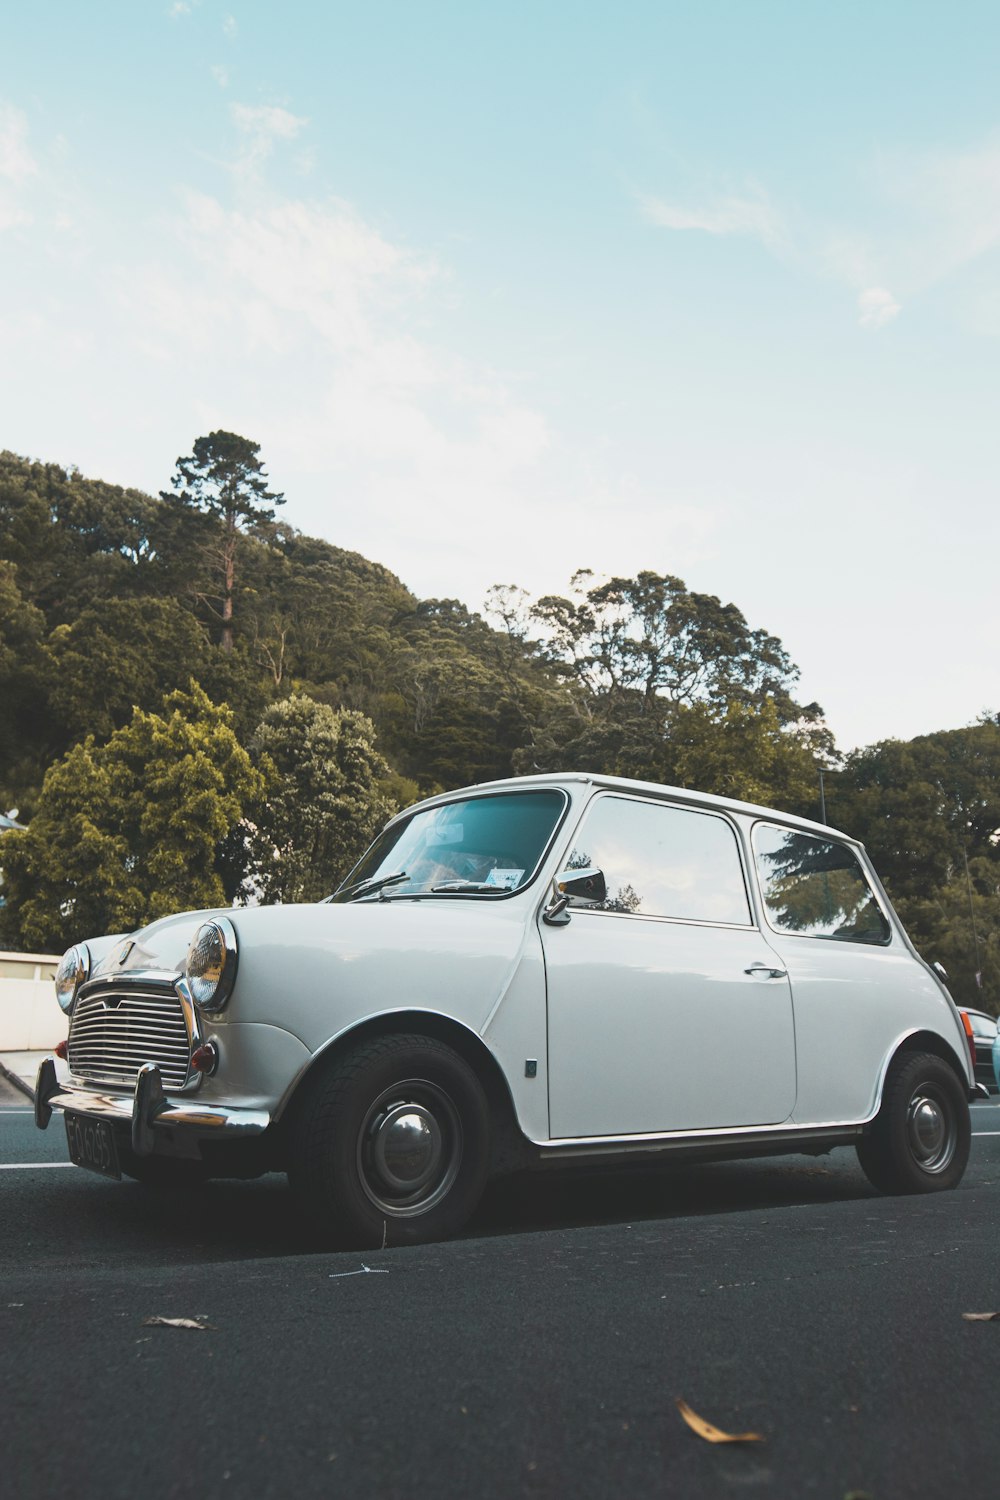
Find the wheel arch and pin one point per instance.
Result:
(920, 1041)
(510, 1148)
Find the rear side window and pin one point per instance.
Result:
(663, 861)
(816, 887)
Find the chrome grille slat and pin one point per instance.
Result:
(115, 1030)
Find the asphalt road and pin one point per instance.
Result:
(539, 1355)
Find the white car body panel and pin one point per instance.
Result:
(612, 1026)
(852, 1006)
(656, 1026)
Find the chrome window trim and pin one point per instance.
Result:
(604, 793)
(831, 838)
(639, 916)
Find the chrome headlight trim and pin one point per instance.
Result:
(73, 970)
(210, 966)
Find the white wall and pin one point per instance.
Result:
(30, 1018)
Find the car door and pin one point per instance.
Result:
(667, 1009)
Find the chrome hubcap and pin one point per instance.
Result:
(930, 1130)
(409, 1148)
(406, 1147)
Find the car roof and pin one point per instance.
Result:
(654, 789)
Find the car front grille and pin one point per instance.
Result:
(115, 1031)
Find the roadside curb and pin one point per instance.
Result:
(16, 1079)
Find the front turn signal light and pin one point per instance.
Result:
(205, 1059)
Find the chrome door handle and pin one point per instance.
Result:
(766, 970)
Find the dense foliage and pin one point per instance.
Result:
(929, 813)
(201, 704)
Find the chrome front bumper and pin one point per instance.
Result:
(144, 1111)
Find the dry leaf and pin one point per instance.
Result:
(175, 1323)
(713, 1434)
(981, 1317)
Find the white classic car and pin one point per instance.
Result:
(522, 973)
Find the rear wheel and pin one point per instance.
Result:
(919, 1141)
(391, 1145)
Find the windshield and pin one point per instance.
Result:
(486, 846)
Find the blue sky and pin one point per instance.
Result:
(504, 291)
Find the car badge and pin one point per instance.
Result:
(123, 953)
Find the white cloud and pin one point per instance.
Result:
(938, 213)
(728, 214)
(16, 161)
(230, 26)
(930, 216)
(269, 121)
(263, 125)
(877, 307)
(316, 267)
(17, 165)
(305, 326)
(179, 8)
(221, 75)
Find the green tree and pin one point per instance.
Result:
(119, 655)
(651, 637)
(73, 539)
(743, 751)
(224, 481)
(928, 811)
(130, 830)
(329, 797)
(669, 685)
(22, 717)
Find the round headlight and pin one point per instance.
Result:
(210, 967)
(74, 968)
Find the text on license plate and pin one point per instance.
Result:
(92, 1145)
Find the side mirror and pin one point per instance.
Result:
(578, 885)
(583, 885)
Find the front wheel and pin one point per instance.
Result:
(919, 1141)
(391, 1145)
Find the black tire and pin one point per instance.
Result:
(919, 1140)
(390, 1146)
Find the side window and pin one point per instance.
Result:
(664, 861)
(816, 887)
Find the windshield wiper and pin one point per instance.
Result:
(378, 883)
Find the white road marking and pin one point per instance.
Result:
(32, 1166)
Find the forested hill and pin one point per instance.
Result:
(109, 598)
(199, 701)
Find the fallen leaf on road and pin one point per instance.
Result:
(981, 1317)
(176, 1323)
(713, 1434)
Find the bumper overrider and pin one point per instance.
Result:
(146, 1111)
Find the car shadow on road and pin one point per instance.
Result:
(571, 1198)
(258, 1219)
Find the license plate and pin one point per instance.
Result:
(92, 1145)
